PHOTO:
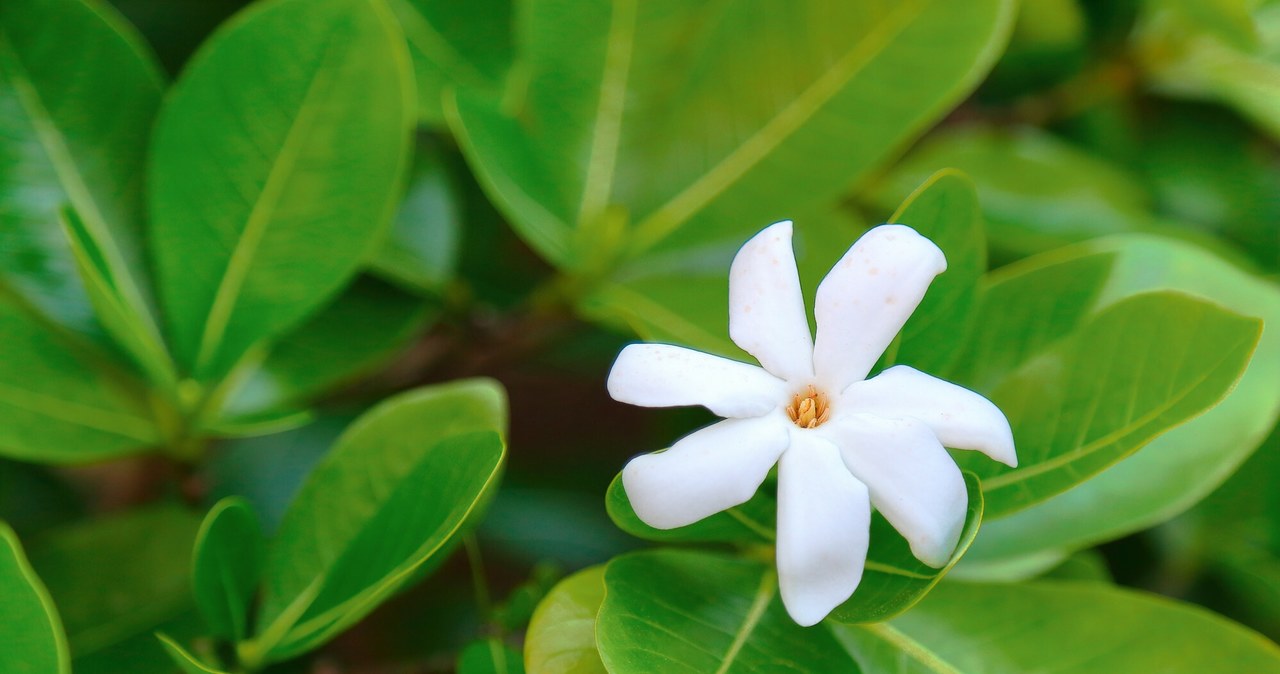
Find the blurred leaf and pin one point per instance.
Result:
(362, 527)
(1176, 469)
(421, 251)
(1087, 565)
(455, 45)
(56, 404)
(1048, 45)
(1037, 192)
(945, 210)
(562, 635)
(1064, 627)
(634, 135)
(752, 522)
(34, 642)
(74, 124)
(185, 661)
(1136, 369)
(117, 578)
(358, 331)
(269, 186)
(229, 553)
(677, 611)
(490, 656)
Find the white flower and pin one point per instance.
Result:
(842, 442)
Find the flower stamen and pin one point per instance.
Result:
(809, 410)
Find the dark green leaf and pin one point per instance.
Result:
(185, 661)
(78, 93)
(362, 525)
(562, 634)
(229, 552)
(271, 185)
(421, 251)
(490, 656)
(34, 642)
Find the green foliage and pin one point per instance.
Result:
(490, 657)
(31, 630)
(562, 634)
(229, 551)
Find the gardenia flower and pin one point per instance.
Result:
(842, 442)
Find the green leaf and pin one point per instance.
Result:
(360, 330)
(421, 251)
(675, 611)
(562, 634)
(490, 656)
(148, 553)
(31, 630)
(1138, 368)
(59, 145)
(362, 526)
(1037, 192)
(893, 579)
(58, 401)
(945, 210)
(460, 45)
(229, 553)
(185, 661)
(270, 186)
(1063, 627)
(634, 134)
(751, 522)
(1049, 296)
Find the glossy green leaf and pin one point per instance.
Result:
(185, 661)
(562, 634)
(148, 554)
(1138, 368)
(1049, 296)
(421, 251)
(675, 611)
(31, 631)
(752, 522)
(360, 330)
(945, 210)
(60, 145)
(270, 186)
(462, 45)
(362, 526)
(229, 553)
(635, 135)
(490, 656)
(1037, 192)
(1061, 627)
(58, 402)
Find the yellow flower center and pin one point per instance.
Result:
(809, 410)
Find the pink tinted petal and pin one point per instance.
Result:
(867, 297)
(766, 308)
(661, 375)
(710, 470)
(824, 520)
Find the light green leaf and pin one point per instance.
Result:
(490, 656)
(148, 553)
(61, 400)
(362, 526)
(633, 134)
(270, 186)
(675, 611)
(945, 210)
(59, 145)
(1138, 368)
(31, 631)
(185, 661)
(1062, 627)
(421, 251)
(229, 553)
(562, 634)
(462, 45)
(1049, 296)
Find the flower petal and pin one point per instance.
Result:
(766, 308)
(710, 470)
(960, 418)
(824, 521)
(913, 481)
(662, 375)
(867, 297)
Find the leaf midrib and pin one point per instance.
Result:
(607, 132)
(764, 595)
(911, 648)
